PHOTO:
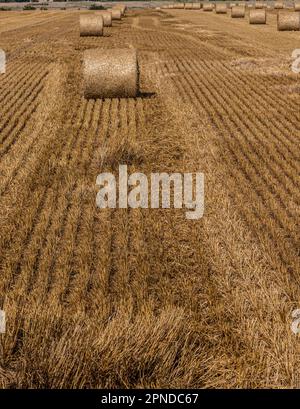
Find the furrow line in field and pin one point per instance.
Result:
(284, 133)
(17, 103)
(243, 123)
(16, 75)
(17, 241)
(81, 262)
(270, 155)
(264, 88)
(61, 263)
(96, 289)
(13, 132)
(220, 126)
(252, 114)
(12, 98)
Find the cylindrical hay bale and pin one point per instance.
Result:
(116, 14)
(122, 7)
(91, 25)
(259, 5)
(297, 5)
(257, 16)
(111, 73)
(122, 14)
(180, 6)
(288, 21)
(238, 12)
(188, 6)
(208, 6)
(221, 8)
(278, 5)
(107, 17)
(197, 6)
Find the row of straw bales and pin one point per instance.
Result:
(114, 73)
(286, 21)
(92, 25)
(108, 73)
(209, 6)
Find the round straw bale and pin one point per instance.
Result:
(122, 14)
(257, 16)
(122, 7)
(238, 12)
(208, 6)
(278, 4)
(259, 5)
(221, 8)
(197, 6)
(116, 14)
(180, 6)
(297, 5)
(107, 17)
(111, 73)
(91, 25)
(188, 6)
(232, 5)
(288, 21)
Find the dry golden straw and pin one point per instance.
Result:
(180, 6)
(257, 16)
(278, 5)
(259, 5)
(91, 25)
(197, 6)
(221, 8)
(116, 14)
(110, 73)
(188, 6)
(208, 6)
(107, 17)
(297, 5)
(122, 7)
(288, 21)
(238, 12)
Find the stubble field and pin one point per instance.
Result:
(127, 298)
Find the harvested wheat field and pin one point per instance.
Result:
(144, 298)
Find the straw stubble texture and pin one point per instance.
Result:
(110, 73)
(258, 16)
(91, 25)
(288, 21)
(297, 5)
